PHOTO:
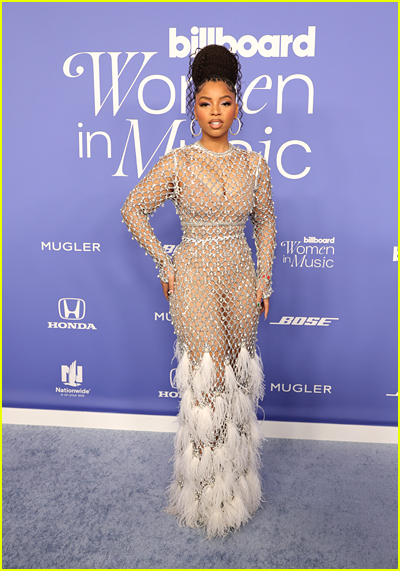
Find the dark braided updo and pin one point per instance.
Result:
(213, 63)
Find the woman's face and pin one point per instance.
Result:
(215, 109)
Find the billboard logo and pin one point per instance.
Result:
(247, 46)
(71, 308)
(72, 375)
(313, 240)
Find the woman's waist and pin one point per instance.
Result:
(212, 230)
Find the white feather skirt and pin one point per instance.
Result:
(216, 484)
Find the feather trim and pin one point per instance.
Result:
(243, 366)
(203, 423)
(182, 373)
(220, 412)
(254, 484)
(181, 440)
(220, 458)
(204, 377)
(256, 436)
(186, 406)
(230, 380)
(257, 387)
(216, 483)
(242, 407)
(205, 467)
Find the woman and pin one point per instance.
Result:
(215, 298)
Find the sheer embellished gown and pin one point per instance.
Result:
(214, 312)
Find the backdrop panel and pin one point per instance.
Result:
(93, 95)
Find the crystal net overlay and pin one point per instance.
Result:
(215, 316)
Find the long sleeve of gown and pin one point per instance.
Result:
(263, 219)
(151, 192)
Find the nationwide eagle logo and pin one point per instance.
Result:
(72, 375)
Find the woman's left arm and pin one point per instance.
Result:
(263, 219)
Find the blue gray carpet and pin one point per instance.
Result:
(93, 499)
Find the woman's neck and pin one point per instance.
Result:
(217, 145)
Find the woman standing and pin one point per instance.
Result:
(215, 298)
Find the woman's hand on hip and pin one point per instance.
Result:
(168, 288)
(262, 304)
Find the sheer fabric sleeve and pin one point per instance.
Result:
(263, 220)
(151, 192)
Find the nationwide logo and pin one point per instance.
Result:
(70, 246)
(71, 375)
(290, 320)
(72, 379)
(73, 310)
(312, 252)
(247, 46)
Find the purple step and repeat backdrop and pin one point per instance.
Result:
(94, 94)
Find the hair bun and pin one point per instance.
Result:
(214, 61)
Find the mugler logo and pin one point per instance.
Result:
(71, 375)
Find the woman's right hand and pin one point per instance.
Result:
(168, 288)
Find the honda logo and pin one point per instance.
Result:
(71, 308)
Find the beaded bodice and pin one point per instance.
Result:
(214, 194)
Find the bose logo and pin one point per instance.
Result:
(246, 46)
(71, 308)
(169, 248)
(288, 320)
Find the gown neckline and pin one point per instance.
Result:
(214, 153)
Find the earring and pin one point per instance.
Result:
(192, 131)
(239, 127)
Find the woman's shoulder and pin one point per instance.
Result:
(253, 158)
(182, 150)
(179, 154)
